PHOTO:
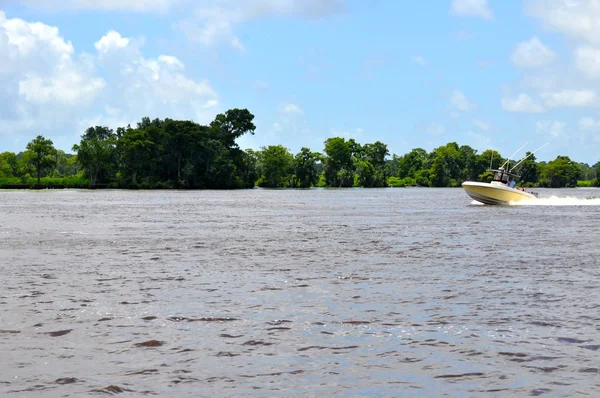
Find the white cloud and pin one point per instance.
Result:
(472, 8)
(158, 87)
(109, 5)
(210, 22)
(485, 126)
(419, 60)
(291, 109)
(436, 128)
(532, 54)
(112, 40)
(587, 60)
(569, 98)
(552, 128)
(215, 23)
(39, 67)
(460, 102)
(523, 103)
(68, 88)
(576, 18)
(170, 61)
(49, 89)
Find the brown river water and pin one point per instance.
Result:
(312, 293)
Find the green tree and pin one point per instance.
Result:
(529, 169)
(375, 155)
(468, 161)
(183, 139)
(306, 168)
(96, 151)
(366, 175)
(65, 167)
(276, 166)
(411, 163)
(586, 172)
(559, 173)
(233, 124)
(446, 166)
(135, 148)
(250, 168)
(40, 154)
(339, 168)
(9, 165)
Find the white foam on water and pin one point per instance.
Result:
(558, 201)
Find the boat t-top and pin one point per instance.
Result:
(502, 190)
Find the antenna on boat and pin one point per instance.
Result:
(491, 159)
(531, 154)
(508, 160)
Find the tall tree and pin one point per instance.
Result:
(376, 174)
(40, 154)
(411, 163)
(305, 167)
(9, 165)
(560, 172)
(233, 124)
(339, 168)
(96, 151)
(135, 148)
(276, 166)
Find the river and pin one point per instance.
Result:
(312, 293)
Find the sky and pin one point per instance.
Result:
(492, 74)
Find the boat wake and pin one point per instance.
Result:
(558, 201)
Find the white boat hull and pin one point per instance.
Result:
(492, 194)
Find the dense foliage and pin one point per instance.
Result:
(184, 154)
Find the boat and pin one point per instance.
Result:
(502, 190)
(499, 191)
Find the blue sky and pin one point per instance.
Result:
(485, 73)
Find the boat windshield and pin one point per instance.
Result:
(498, 176)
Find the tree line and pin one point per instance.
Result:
(183, 154)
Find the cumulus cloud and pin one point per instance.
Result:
(49, 89)
(109, 5)
(579, 19)
(522, 103)
(532, 54)
(587, 60)
(39, 68)
(570, 99)
(472, 8)
(209, 22)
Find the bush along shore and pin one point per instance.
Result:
(182, 154)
